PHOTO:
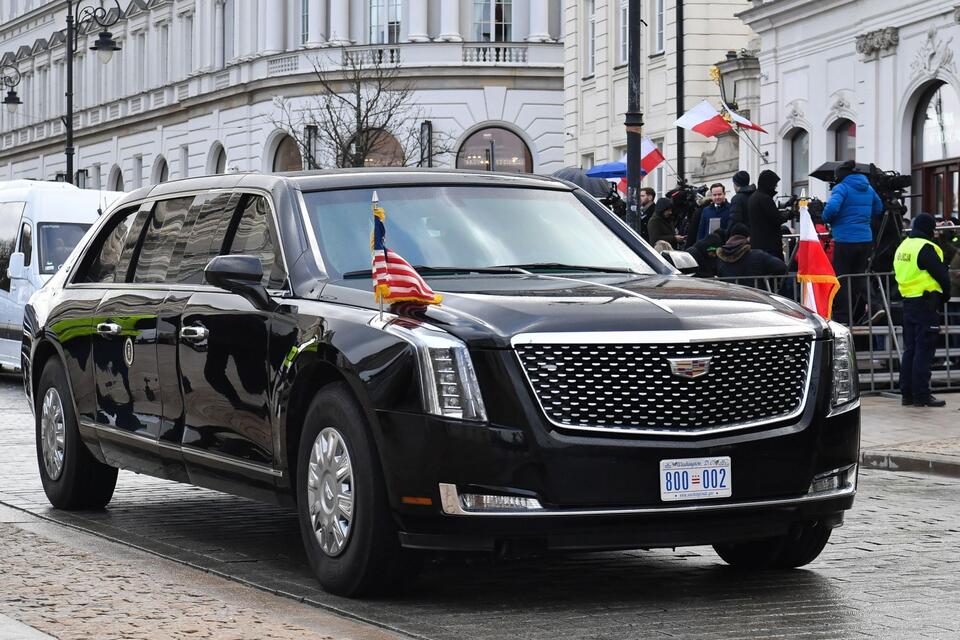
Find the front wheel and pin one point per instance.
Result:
(72, 478)
(350, 537)
(781, 552)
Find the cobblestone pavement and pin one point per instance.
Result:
(892, 571)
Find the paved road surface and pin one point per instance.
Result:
(893, 571)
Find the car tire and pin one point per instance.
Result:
(72, 477)
(782, 552)
(369, 560)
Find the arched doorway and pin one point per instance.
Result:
(161, 172)
(116, 179)
(936, 151)
(287, 156)
(495, 149)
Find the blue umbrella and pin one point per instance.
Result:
(609, 170)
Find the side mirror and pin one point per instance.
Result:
(242, 275)
(15, 270)
(681, 261)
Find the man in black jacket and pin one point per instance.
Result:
(738, 204)
(648, 204)
(764, 217)
(739, 262)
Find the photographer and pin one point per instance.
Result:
(852, 205)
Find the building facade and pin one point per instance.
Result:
(595, 65)
(195, 87)
(873, 80)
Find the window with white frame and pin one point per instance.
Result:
(658, 21)
(590, 46)
(493, 20)
(384, 21)
(586, 161)
(624, 31)
(304, 21)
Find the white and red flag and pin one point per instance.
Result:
(740, 121)
(394, 280)
(650, 156)
(705, 120)
(818, 280)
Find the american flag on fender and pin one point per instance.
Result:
(394, 280)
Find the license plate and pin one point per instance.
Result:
(695, 479)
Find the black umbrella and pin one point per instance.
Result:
(597, 187)
(827, 171)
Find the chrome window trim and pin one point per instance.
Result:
(451, 506)
(138, 204)
(667, 337)
(311, 234)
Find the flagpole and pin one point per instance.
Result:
(374, 203)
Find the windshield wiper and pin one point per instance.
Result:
(559, 266)
(422, 268)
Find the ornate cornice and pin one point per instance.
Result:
(880, 41)
(934, 55)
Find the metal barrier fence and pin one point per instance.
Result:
(871, 306)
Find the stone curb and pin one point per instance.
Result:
(929, 463)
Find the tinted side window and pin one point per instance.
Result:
(102, 260)
(252, 233)
(160, 238)
(26, 243)
(198, 242)
(10, 213)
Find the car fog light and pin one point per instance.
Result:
(484, 502)
(843, 478)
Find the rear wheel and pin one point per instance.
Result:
(350, 537)
(783, 552)
(72, 478)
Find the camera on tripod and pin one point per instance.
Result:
(686, 201)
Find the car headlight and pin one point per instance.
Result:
(846, 383)
(447, 378)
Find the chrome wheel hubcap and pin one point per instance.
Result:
(52, 433)
(330, 491)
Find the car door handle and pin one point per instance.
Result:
(194, 333)
(108, 329)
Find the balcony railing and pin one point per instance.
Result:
(494, 54)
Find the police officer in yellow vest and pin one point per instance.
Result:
(924, 283)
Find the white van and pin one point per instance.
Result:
(40, 224)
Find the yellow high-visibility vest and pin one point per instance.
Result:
(911, 279)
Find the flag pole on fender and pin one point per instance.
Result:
(375, 204)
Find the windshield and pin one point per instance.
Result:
(468, 227)
(56, 242)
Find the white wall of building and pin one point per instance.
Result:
(196, 74)
(595, 103)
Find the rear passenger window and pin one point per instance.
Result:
(197, 245)
(252, 233)
(160, 238)
(26, 243)
(101, 263)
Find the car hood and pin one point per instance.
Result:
(487, 311)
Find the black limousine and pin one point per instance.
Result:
(573, 391)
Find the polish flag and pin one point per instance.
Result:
(650, 156)
(705, 120)
(742, 122)
(622, 186)
(818, 281)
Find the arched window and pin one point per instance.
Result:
(287, 156)
(217, 160)
(844, 140)
(161, 172)
(384, 151)
(116, 179)
(936, 151)
(495, 149)
(799, 162)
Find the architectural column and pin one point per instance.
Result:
(339, 23)
(219, 33)
(450, 21)
(417, 25)
(539, 21)
(274, 28)
(315, 21)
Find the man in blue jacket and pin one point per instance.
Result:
(849, 211)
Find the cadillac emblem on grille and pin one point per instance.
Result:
(690, 367)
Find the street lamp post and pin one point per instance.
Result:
(104, 46)
(10, 78)
(634, 116)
